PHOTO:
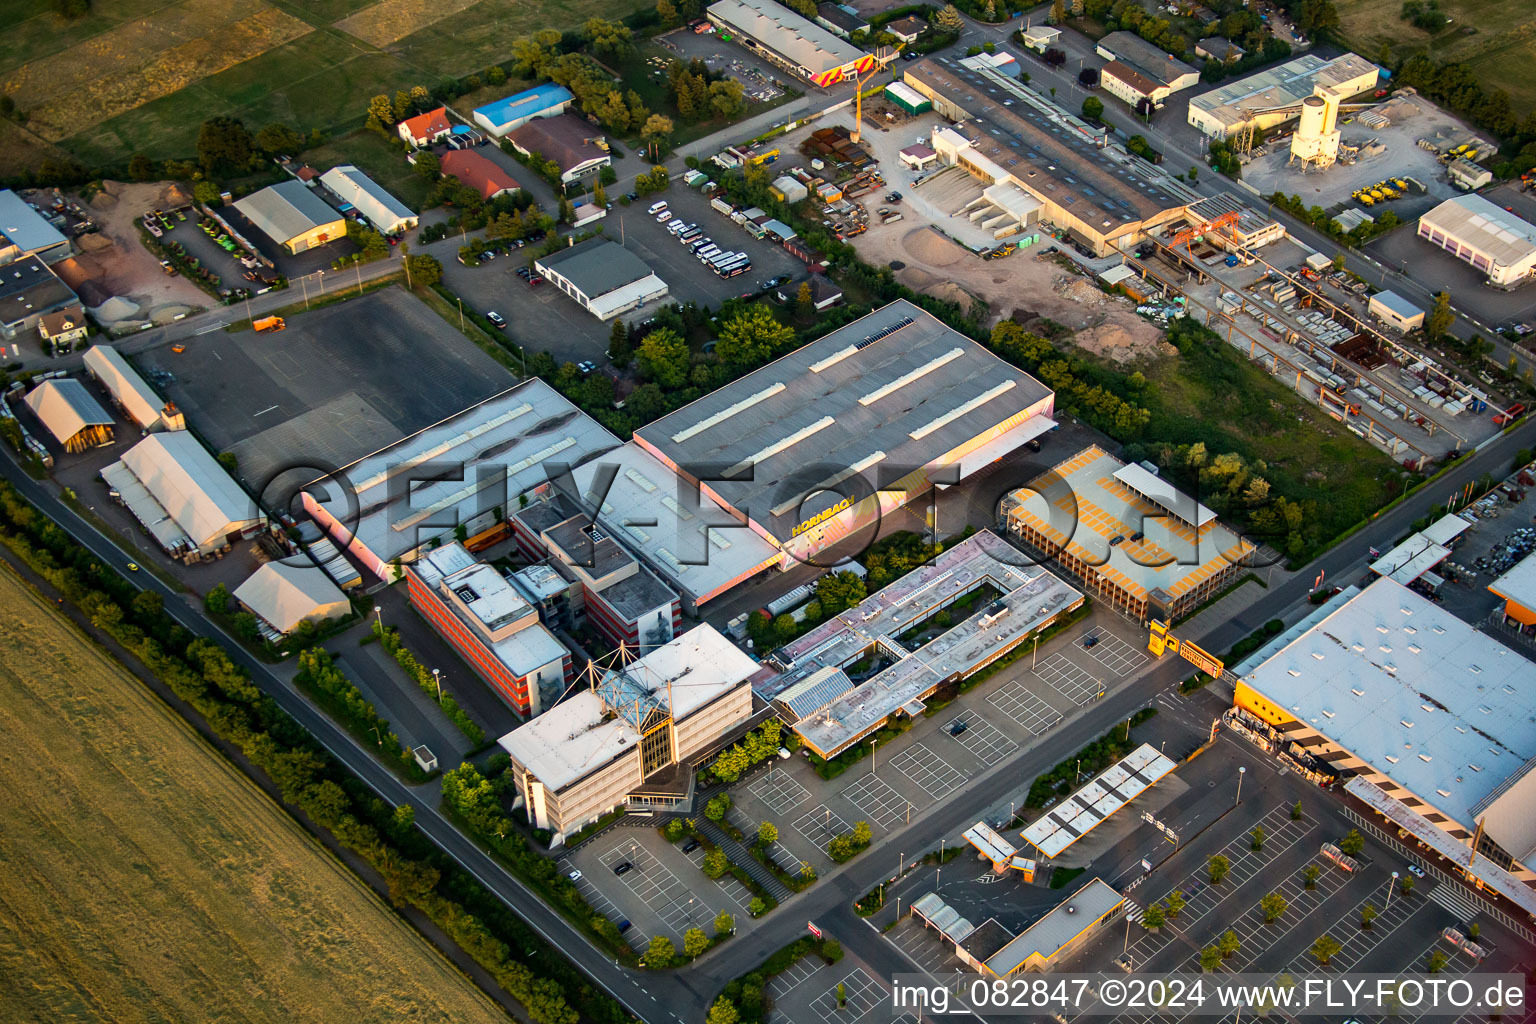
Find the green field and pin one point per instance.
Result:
(376, 157)
(1496, 39)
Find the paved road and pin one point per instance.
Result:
(657, 998)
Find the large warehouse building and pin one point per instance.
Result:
(787, 40)
(1267, 98)
(292, 215)
(1138, 70)
(75, 419)
(138, 401)
(883, 408)
(1040, 163)
(514, 111)
(1489, 237)
(1134, 540)
(383, 212)
(182, 496)
(634, 737)
(1427, 721)
(603, 277)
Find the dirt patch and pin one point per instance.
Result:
(927, 246)
(1113, 341)
(116, 260)
(390, 20)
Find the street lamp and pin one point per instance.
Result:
(1391, 886)
(438, 679)
(1241, 771)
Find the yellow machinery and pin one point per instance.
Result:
(882, 58)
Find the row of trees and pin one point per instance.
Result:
(851, 843)
(430, 684)
(756, 747)
(700, 93)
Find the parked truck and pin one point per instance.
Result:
(269, 323)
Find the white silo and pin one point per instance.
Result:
(1316, 142)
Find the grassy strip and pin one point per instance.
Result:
(332, 691)
(341, 294)
(1091, 760)
(489, 340)
(794, 883)
(744, 995)
(427, 682)
(871, 902)
(1060, 877)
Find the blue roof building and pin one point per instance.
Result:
(514, 111)
(25, 232)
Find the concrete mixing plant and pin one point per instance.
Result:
(1316, 142)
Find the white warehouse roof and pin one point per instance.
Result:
(368, 197)
(1491, 230)
(284, 595)
(807, 44)
(66, 408)
(195, 493)
(123, 382)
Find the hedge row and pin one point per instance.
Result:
(390, 639)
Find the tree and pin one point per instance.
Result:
(620, 352)
(831, 950)
(694, 942)
(1435, 961)
(767, 832)
(1352, 843)
(948, 19)
(752, 337)
(723, 1012)
(1210, 958)
(425, 271)
(716, 863)
(277, 138)
(725, 923)
(757, 906)
(805, 302)
(1273, 905)
(381, 112)
(1058, 13)
(674, 830)
(1227, 943)
(1309, 875)
(663, 357)
(1325, 948)
(1256, 838)
(1093, 108)
(1440, 317)
(217, 600)
(206, 192)
(1367, 916)
(717, 806)
(727, 98)
(1296, 811)
(861, 833)
(1153, 916)
(660, 953)
(610, 39)
(666, 12)
(1217, 867)
(140, 167)
(1405, 885)
(223, 143)
(1175, 902)
(785, 627)
(656, 131)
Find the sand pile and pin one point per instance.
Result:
(94, 241)
(167, 314)
(951, 292)
(916, 278)
(103, 201)
(115, 308)
(1079, 290)
(928, 246)
(1118, 344)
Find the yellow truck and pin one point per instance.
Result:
(269, 323)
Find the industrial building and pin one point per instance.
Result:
(512, 112)
(603, 277)
(478, 172)
(182, 497)
(425, 129)
(1041, 37)
(1135, 540)
(1039, 163)
(841, 19)
(292, 215)
(908, 99)
(1518, 589)
(1396, 311)
(1425, 719)
(130, 392)
(1267, 98)
(633, 738)
(1315, 143)
(790, 41)
(830, 713)
(1219, 49)
(284, 597)
(1421, 552)
(75, 419)
(993, 949)
(822, 442)
(1491, 238)
(378, 509)
(29, 290)
(1466, 175)
(574, 145)
(25, 232)
(1138, 70)
(383, 212)
(614, 593)
(492, 626)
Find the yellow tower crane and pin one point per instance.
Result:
(882, 57)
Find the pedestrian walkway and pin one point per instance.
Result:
(740, 855)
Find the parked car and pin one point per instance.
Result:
(631, 196)
(774, 282)
(959, 727)
(623, 867)
(1089, 641)
(624, 926)
(663, 216)
(691, 845)
(1415, 871)
(586, 366)
(1033, 444)
(497, 320)
(657, 207)
(574, 876)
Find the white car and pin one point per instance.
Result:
(657, 207)
(663, 216)
(574, 876)
(1415, 871)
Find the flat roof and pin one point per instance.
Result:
(1493, 231)
(1046, 149)
(1030, 597)
(896, 387)
(1154, 62)
(287, 210)
(502, 445)
(794, 37)
(66, 408)
(370, 198)
(189, 486)
(596, 267)
(24, 227)
(28, 287)
(1518, 584)
(1439, 707)
(1046, 937)
(123, 382)
(488, 596)
(1172, 555)
(581, 735)
(1397, 304)
(685, 534)
(1420, 551)
(1284, 86)
(992, 846)
(528, 103)
(932, 908)
(1085, 809)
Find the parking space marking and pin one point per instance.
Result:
(804, 970)
(981, 738)
(676, 903)
(1116, 655)
(925, 949)
(730, 888)
(1069, 679)
(1028, 710)
(861, 994)
(877, 801)
(779, 791)
(934, 775)
(821, 824)
(606, 907)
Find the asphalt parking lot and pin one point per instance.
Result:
(761, 81)
(542, 318)
(337, 384)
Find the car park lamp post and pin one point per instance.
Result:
(437, 677)
(1390, 886)
(1241, 771)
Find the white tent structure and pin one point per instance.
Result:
(283, 596)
